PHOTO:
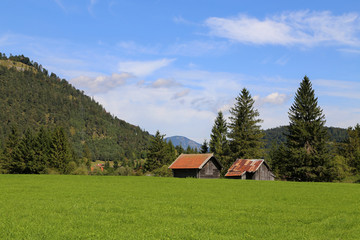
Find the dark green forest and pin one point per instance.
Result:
(277, 135)
(31, 98)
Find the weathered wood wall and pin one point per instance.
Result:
(263, 173)
(210, 170)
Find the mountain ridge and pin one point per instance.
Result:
(184, 142)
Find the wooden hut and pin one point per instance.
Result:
(196, 165)
(256, 169)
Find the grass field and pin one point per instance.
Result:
(98, 207)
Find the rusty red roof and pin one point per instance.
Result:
(240, 166)
(190, 161)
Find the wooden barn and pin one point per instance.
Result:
(196, 165)
(256, 169)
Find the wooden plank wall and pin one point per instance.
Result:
(210, 170)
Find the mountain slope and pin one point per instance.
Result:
(31, 98)
(184, 142)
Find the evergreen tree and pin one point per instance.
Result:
(42, 151)
(352, 148)
(204, 147)
(159, 153)
(87, 156)
(60, 151)
(26, 153)
(245, 136)
(171, 149)
(12, 162)
(219, 144)
(179, 149)
(307, 136)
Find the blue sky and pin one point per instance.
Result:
(172, 65)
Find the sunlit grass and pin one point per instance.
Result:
(98, 207)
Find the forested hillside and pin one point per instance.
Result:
(277, 135)
(31, 98)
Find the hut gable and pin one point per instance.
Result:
(256, 169)
(196, 165)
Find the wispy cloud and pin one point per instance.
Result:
(165, 83)
(338, 88)
(290, 28)
(101, 84)
(276, 98)
(181, 94)
(61, 5)
(143, 68)
(180, 20)
(349, 50)
(91, 6)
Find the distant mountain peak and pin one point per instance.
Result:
(184, 142)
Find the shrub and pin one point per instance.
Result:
(163, 171)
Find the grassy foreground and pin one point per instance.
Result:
(95, 207)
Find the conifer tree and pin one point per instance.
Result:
(42, 150)
(245, 136)
(12, 163)
(219, 144)
(307, 136)
(179, 149)
(204, 147)
(172, 150)
(159, 153)
(353, 148)
(60, 151)
(26, 154)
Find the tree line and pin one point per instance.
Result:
(306, 154)
(46, 151)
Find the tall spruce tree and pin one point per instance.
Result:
(219, 144)
(307, 136)
(245, 136)
(27, 152)
(12, 160)
(60, 151)
(159, 153)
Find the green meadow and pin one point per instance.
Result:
(109, 207)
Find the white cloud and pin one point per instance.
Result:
(156, 109)
(276, 98)
(164, 83)
(143, 68)
(301, 27)
(181, 94)
(102, 83)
